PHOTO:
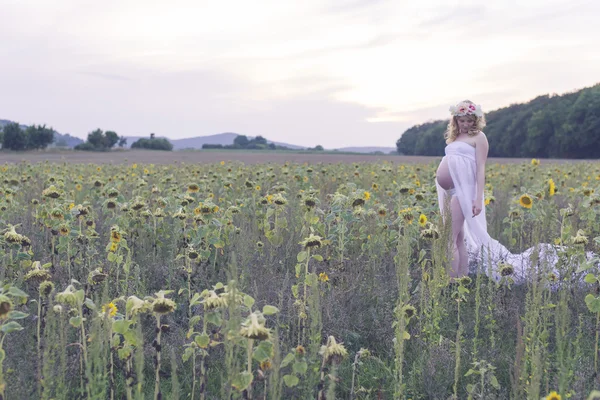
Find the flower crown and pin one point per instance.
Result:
(464, 108)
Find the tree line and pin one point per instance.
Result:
(34, 137)
(549, 126)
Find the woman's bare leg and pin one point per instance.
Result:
(458, 246)
(463, 256)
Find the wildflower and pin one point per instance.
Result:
(422, 220)
(323, 277)
(366, 195)
(254, 328)
(109, 309)
(333, 352)
(525, 201)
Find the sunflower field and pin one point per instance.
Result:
(290, 281)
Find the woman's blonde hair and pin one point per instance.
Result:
(452, 131)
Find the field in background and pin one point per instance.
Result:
(213, 156)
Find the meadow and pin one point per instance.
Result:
(212, 276)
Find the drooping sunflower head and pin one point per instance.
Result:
(506, 269)
(5, 306)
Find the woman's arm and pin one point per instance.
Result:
(481, 152)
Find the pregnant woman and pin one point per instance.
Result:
(460, 180)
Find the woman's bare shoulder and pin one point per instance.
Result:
(480, 137)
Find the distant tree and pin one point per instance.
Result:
(152, 144)
(122, 141)
(14, 138)
(212, 146)
(241, 141)
(319, 147)
(110, 139)
(152, 136)
(260, 140)
(96, 138)
(39, 137)
(272, 146)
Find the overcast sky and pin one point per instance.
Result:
(331, 72)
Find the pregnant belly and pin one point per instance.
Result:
(443, 176)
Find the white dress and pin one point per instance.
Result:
(480, 245)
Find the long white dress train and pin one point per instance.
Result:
(480, 245)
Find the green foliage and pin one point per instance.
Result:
(565, 126)
(98, 140)
(32, 138)
(152, 144)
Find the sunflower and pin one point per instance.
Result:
(525, 201)
(323, 277)
(535, 162)
(115, 236)
(551, 187)
(553, 396)
(109, 309)
(422, 220)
